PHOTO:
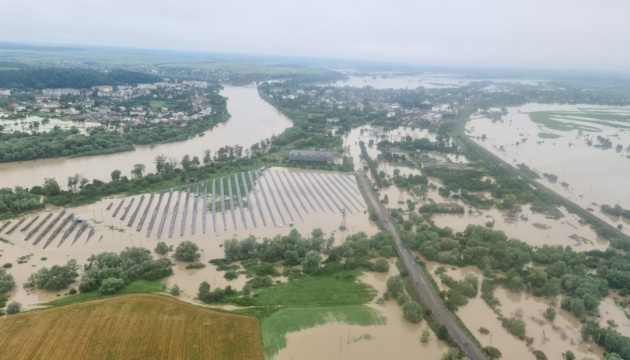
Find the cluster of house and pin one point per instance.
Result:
(49, 101)
(349, 99)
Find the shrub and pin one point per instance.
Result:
(7, 266)
(266, 269)
(540, 355)
(550, 314)
(195, 266)
(175, 291)
(112, 285)
(425, 336)
(412, 312)
(260, 281)
(187, 251)
(492, 352)
(72, 291)
(14, 307)
(161, 248)
(515, 327)
(231, 274)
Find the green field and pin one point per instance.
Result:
(316, 291)
(276, 327)
(157, 104)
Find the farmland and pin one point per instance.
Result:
(130, 327)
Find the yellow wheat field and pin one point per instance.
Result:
(129, 327)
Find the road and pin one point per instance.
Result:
(420, 283)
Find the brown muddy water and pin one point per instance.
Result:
(112, 233)
(398, 339)
(553, 338)
(594, 176)
(252, 120)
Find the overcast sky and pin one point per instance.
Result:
(591, 34)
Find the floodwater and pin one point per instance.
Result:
(536, 231)
(398, 339)
(594, 176)
(112, 233)
(393, 81)
(553, 338)
(252, 120)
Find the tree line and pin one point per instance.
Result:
(44, 78)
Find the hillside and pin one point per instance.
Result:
(130, 327)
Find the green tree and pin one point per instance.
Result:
(412, 311)
(161, 248)
(186, 163)
(442, 333)
(612, 356)
(451, 354)
(311, 261)
(395, 286)
(569, 355)
(381, 265)
(51, 187)
(195, 160)
(112, 285)
(207, 158)
(7, 283)
(160, 163)
(138, 170)
(116, 175)
(14, 307)
(56, 278)
(187, 251)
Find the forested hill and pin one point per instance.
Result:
(46, 78)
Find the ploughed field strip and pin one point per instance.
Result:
(286, 197)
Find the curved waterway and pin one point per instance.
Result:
(252, 120)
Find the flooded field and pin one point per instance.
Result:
(555, 139)
(275, 198)
(395, 81)
(398, 338)
(35, 124)
(553, 338)
(252, 120)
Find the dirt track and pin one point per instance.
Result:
(421, 284)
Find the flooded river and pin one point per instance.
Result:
(252, 121)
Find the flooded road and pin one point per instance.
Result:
(252, 120)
